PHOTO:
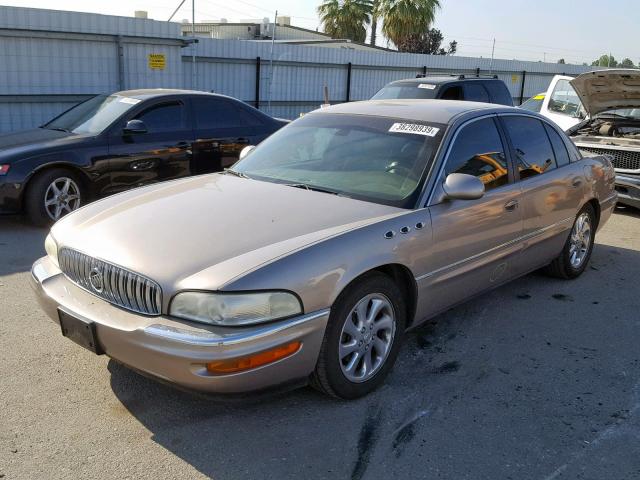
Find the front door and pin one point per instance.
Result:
(161, 153)
(222, 129)
(475, 242)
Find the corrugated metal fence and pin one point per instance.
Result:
(50, 60)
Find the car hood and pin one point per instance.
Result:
(21, 143)
(216, 225)
(608, 89)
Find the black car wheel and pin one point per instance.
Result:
(51, 195)
(363, 336)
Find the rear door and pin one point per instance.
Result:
(552, 186)
(474, 241)
(162, 153)
(223, 127)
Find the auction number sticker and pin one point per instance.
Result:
(428, 86)
(414, 128)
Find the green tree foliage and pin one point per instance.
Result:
(605, 61)
(428, 42)
(627, 63)
(561, 61)
(405, 19)
(346, 18)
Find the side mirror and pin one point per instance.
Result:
(463, 187)
(134, 127)
(246, 151)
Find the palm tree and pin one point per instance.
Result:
(374, 22)
(403, 19)
(346, 18)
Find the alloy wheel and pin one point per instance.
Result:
(61, 197)
(367, 337)
(580, 240)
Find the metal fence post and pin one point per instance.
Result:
(257, 100)
(424, 70)
(348, 82)
(524, 75)
(120, 50)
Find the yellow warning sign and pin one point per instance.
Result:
(514, 78)
(157, 61)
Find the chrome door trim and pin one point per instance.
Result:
(494, 249)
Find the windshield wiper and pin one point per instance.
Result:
(313, 188)
(59, 129)
(236, 174)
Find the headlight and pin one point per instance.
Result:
(234, 309)
(51, 247)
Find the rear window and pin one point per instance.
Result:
(407, 90)
(475, 92)
(499, 93)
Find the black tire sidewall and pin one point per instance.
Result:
(373, 283)
(36, 190)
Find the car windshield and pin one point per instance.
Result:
(376, 159)
(627, 113)
(412, 90)
(534, 104)
(93, 115)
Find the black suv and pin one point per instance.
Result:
(487, 89)
(111, 143)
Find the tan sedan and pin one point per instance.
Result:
(311, 258)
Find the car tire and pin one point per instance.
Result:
(41, 191)
(371, 312)
(575, 255)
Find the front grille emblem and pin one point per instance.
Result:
(95, 279)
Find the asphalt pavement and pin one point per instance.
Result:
(539, 379)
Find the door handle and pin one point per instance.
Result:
(511, 206)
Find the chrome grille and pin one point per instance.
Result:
(622, 159)
(114, 284)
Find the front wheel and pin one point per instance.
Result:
(51, 195)
(362, 339)
(576, 253)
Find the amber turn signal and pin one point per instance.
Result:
(235, 365)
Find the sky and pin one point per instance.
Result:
(544, 30)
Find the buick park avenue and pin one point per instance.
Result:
(309, 260)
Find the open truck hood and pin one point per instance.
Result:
(603, 90)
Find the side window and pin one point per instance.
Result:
(564, 100)
(221, 113)
(498, 92)
(534, 154)
(559, 147)
(452, 93)
(478, 151)
(475, 92)
(164, 117)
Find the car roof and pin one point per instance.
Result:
(146, 93)
(438, 111)
(440, 79)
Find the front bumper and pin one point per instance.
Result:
(175, 351)
(628, 188)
